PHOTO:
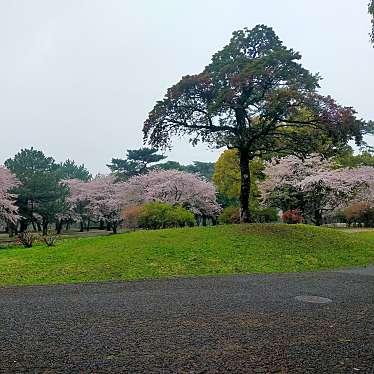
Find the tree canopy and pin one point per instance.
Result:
(140, 161)
(316, 186)
(174, 187)
(255, 97)
(349, 159)
(8, 208)
(70, 170)
(204, 169)
(40, 194)
(100, 199)
(137, 162)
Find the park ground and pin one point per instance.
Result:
(258, 323)
(219, 250)
(235, 324)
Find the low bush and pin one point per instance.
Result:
(229, 215)
(266, 215)
(27, 239)
(51, 238)
(131, 217)
(292, 216)
(156, 215)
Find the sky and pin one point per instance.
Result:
(78, 77)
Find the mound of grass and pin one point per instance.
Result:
(231, 249)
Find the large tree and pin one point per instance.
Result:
(40, 194)
(254, 97)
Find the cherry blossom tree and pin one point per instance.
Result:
(8, 209)
(323, 187)
(78, 201)
(103, 199)
(365, 196)
(107, 200)
(98, 200)
(174, 187)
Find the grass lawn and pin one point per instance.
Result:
(235, 249)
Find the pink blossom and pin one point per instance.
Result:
(317, 178)
(99, 199)
(174, 187)
(8, 209)
(103, 199)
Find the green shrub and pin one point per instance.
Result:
(156, 215)
(229, 215)
(266, 215)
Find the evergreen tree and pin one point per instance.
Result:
(40, 194)
(137, 162)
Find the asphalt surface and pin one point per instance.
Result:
(239, 324)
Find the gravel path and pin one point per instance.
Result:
(239, 324)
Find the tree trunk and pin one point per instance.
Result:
(245, 187)
(81, 226)
(317, 217)
(58, 227)
(11, 229)
(114, 227)
(23, 226)
(45, 227)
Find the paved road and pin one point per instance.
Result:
(249, 324)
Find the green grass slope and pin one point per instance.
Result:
(235, 249)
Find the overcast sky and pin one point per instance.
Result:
(78, 77)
